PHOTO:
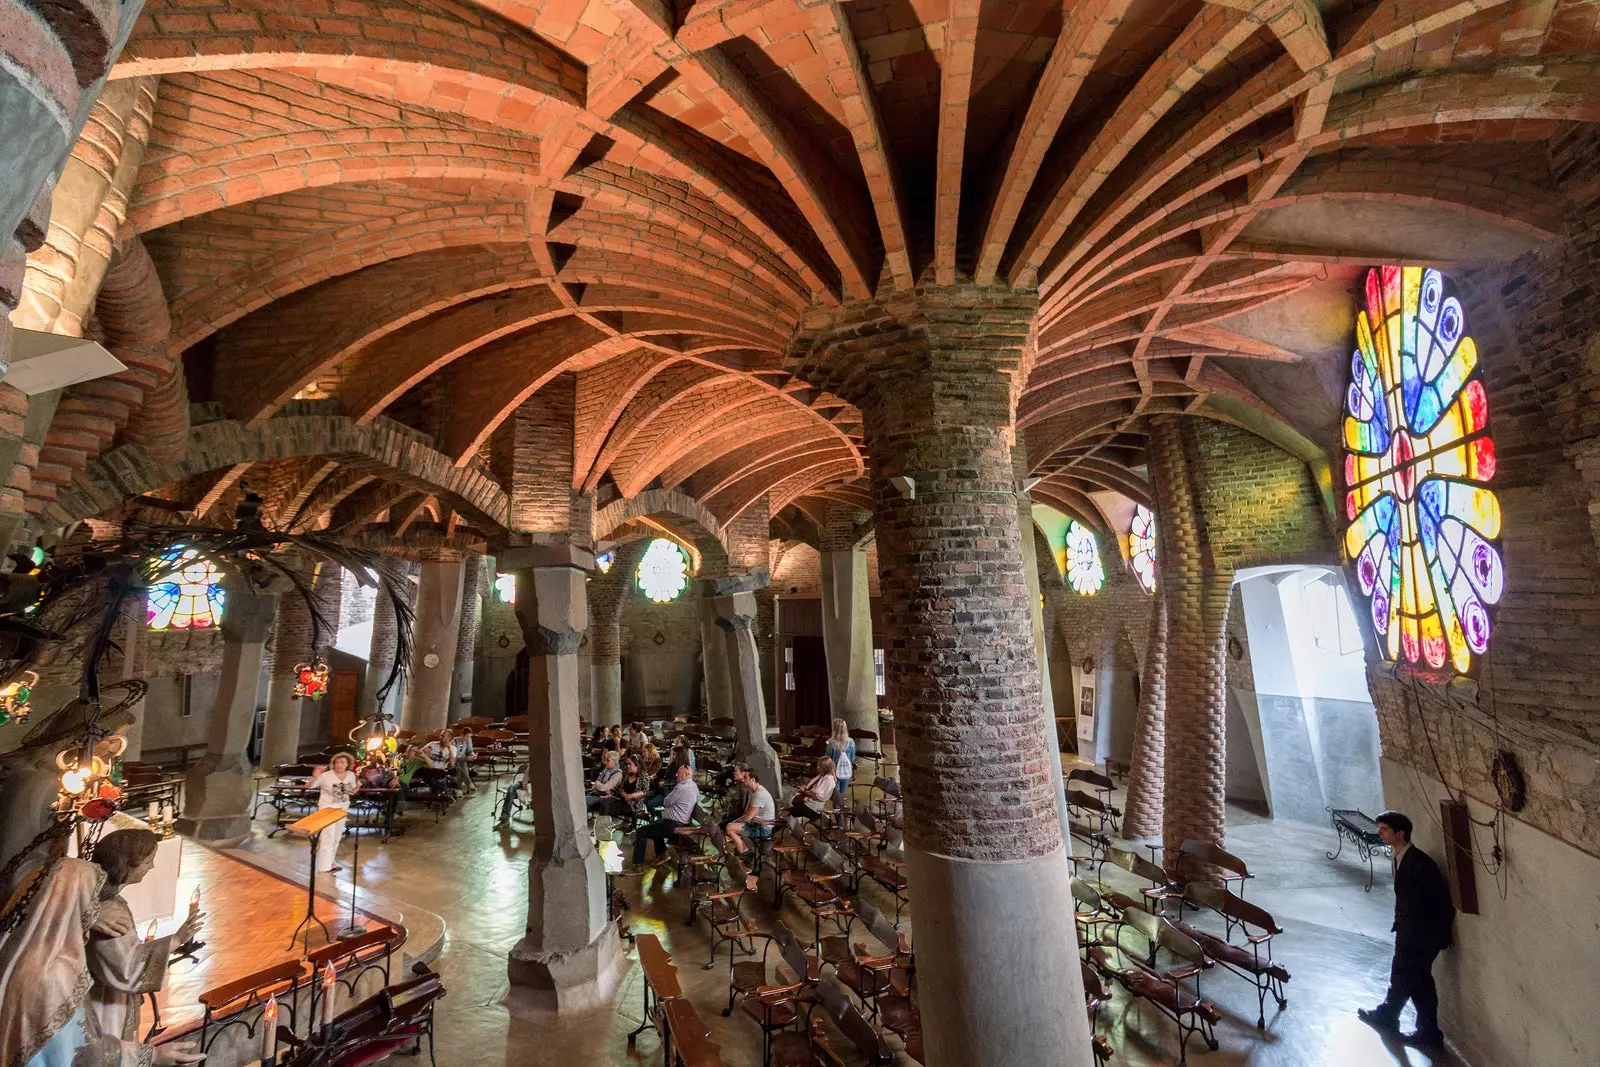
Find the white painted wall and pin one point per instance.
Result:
(1519, 987)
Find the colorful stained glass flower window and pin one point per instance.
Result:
(186, 594)
(505, 587)
(1085, 573)
(1142, 547)
(604, 561)
(1423, 533)
(663, 573)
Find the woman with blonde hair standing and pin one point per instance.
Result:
(336, 784)
(842, 750)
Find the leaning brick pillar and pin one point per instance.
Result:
(1196, 593)
(218, 790)
(734, 603)
(1047, 701)
(1142, 811)
(291, 646)
(568, 959)
(847, 621)
(932, 372)
(466, 638)
(433, 643)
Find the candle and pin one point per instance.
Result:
(194, 901)
(150, 814)
(150, 931)
(328, 977)
(269, 1032)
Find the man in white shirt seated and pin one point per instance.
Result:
(676, 812)
(756, 818)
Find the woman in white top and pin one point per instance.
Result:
(842, 750)
(337, 784)
(812, 798)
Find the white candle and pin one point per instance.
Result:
(328, 977)
(150, 814)
(269, 1032)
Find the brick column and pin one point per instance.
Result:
(1196, 590)
(734, 603)
(568, 959)
(291, 645)
(1047, 703)
(433, 643)
(1142, 810)
(218, 789)
(606, 594)
(932, 372)
(466, 637)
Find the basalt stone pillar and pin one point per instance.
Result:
(433, 643)
(568, 960)
(466, 637)
(385, 641)
(734, 601)
(291, 646)
(932, 371)
(1196, 593)
(1144, 807)
(714, 667)
(847, 622)
(218, 789)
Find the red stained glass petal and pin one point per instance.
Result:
(1483, 458)
(1477, 406)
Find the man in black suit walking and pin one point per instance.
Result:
(1423, 913)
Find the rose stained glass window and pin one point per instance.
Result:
(1085, 573)
(663, 573)
(1423, 528)
(505, 587)
(1142, 547)
(186, 593)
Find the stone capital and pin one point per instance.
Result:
(552, 607)
(735, 611)
(527, 557)
(733, 584)
(252, 603)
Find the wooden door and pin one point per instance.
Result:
(342, 694)
(811, 701)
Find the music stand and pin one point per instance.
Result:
(313, 826)
(352, 928)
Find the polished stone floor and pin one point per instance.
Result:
(475, 879)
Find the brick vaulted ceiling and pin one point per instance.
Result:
(429, 210)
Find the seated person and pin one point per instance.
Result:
(461, 766)
(811, 800)
(650, 762)
(636, 738)
(610, 777)
(755, 818)
(677, 810)
(630, 789)
(597, 743)
(412, 762)
(441, 754)
(664, 781)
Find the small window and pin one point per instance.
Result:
(877, 671)
(186, 704)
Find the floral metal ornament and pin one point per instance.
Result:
(311, 679)
(14, 697)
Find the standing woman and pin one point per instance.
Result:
(842, 750)
(338, 783)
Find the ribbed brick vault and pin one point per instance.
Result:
(423, 211)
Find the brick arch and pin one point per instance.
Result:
(186, 184)
(661, 502)
(681, 422)
(402, 454)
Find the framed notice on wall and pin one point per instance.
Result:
(1086, 713)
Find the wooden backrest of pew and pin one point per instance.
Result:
(656, 962)
(1092, 778)
(854, 1025)
(359, 949)
(691, 1038)
(1136, 864)
(263, 981)
(1206, 852)
(1234, 907)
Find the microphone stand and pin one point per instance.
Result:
(354, 929)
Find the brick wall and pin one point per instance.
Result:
(531, 455)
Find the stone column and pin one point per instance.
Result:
(847, 622)
(466, 638)
(433, 643)
(385, 634)
(734, 602)
(1047, 702)
(1196, 595)
(218, 789)
(1143, 810)
(568, 959)
(720, 697)
(291, 646)
(932, 372)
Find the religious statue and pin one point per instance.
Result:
(124, 967)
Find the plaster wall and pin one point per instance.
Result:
(1515, 990)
